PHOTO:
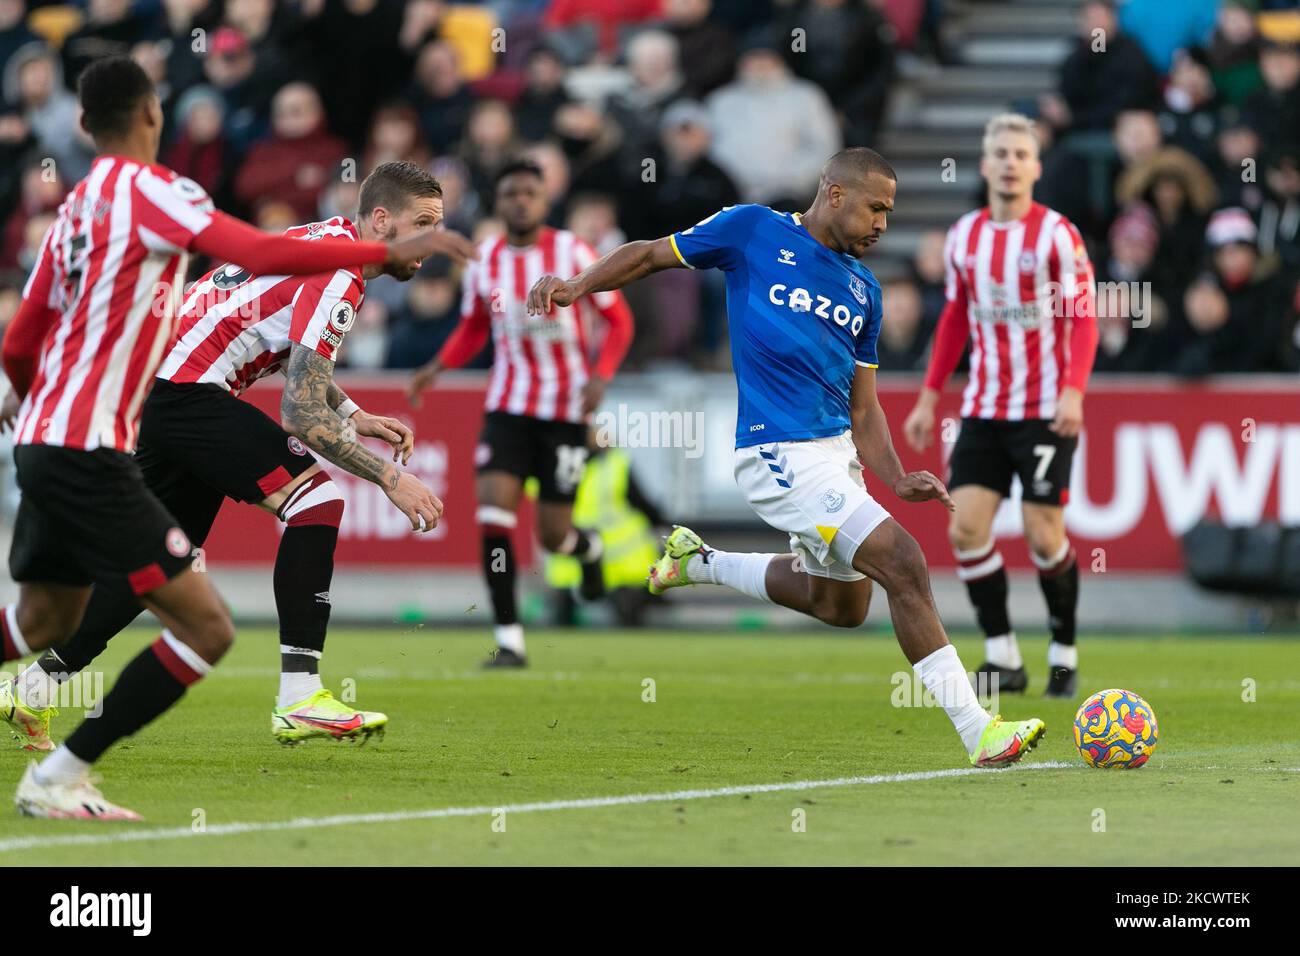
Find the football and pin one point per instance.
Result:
(1115, 729)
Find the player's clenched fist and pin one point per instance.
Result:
(420, 505)
(548, 292)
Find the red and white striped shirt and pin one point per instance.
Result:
(541, 362)
(110, 269)
(236, 327)
(1023, 292)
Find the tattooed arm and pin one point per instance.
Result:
(307, 410)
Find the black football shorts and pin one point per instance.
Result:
(989, 451)
(553, 452)
(88, 516)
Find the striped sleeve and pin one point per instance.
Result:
(324, 308)
(170, 213)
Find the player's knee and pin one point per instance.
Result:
(906, 570)
(965, 536)
(842, 615)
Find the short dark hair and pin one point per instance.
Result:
(110, 90)
(520, 165)
(857, 164)
(394, 185)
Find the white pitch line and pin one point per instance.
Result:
(311, 823)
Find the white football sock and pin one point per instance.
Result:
(62, 766)
(510, 637)
(36, 689)
(1062, 655)
(1003, 651)
(945, 678)
(297, 686)
(745, 572)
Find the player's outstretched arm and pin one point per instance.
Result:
(233, 240)
(305, 411)
(614, 270)
(876, 447)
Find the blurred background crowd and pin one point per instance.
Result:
(1173, 142)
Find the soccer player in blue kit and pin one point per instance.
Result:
(804, 316)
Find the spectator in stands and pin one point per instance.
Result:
(425, 318)
(460, 204)
(772, 131)
(904, 338)
(1133, 240)
(489, 143)
(1236, 162)
(1239, 312)
(1279, 214)
(201, 150)
(1131, 333)
(395, 137)
(42, 191)
(707, 47)
(1162, 26)
(298, 160)
(556, 180)
(926, 271)
(247, 83)
(1064, 171)
(33, 81)
(1189, 117)
(14, 32)
(1136, 139)
(1105, 74)
(848, 52)
(1181, 192)
(543, 94)
(176, 40)
(688, 186)
(1274, 109)
(593, 218)
(592, 145)
(652, 63)
(111, 28)
(1234, 53)
(151, 55)
(377, 64)
(16, 141)
(439, 95)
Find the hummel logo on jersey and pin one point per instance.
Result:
(787, 258)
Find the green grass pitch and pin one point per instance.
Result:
(729, 710)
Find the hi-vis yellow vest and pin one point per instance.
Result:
(602, 505)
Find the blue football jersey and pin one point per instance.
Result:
(802, 318)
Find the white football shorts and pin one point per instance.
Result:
(813, 490)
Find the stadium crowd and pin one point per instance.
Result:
(647, 115)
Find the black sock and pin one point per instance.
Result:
(112, 607)
(304, 568)
(587, 546)
(1061, 588)
(989, 595)
(499, 570)
(154, 679)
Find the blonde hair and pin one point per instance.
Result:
(1008, 123)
